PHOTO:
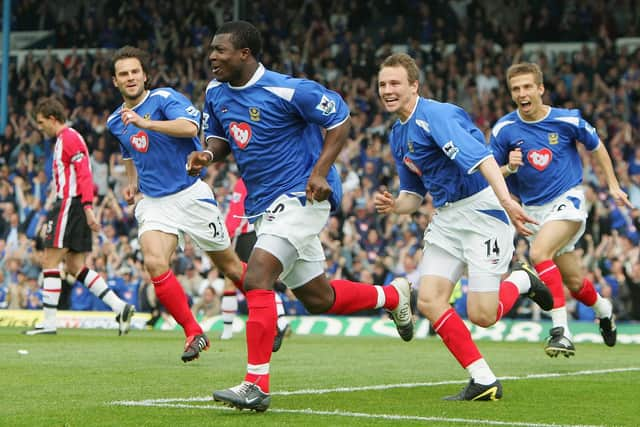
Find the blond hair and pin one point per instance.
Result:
(405, 61)
(525, 68)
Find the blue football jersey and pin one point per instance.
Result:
(437, 150)
(273, 125)
(160, 159)
(552, 164)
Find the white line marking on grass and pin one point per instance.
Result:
(377, 387)
(173, 402)
(437, 383)
(149, 403)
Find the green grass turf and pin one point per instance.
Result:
(71, 379)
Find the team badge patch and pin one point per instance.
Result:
(241, 134)
(326, 105)
(553, 138)
(410, 146)
(540, 159)
(147, 116)
(412, 166)
(140, 141)
(254, 114)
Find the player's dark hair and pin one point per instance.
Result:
(243, 35)
(524, 68)
(405, 61)
(50, 107)
(130, 52)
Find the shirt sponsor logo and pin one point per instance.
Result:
(412, 166)
(326, 105)
(540, 159)
(140, 141)
(241, 134)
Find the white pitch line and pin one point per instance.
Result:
(438, 383)
(383, 386)
(365, 415)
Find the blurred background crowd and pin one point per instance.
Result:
(463, 49)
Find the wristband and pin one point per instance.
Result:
(511, 171)
(209, 152)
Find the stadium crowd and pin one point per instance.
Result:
(463, 48)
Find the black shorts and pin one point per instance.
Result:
(67, 227)
(244, 245)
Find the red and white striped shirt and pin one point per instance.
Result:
(234, 221)
(71, 167)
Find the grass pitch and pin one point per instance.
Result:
(95, 378)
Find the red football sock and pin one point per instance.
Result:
(508, 296)
(550, 274)
(587, 293)
(171, 294)
(261, 326)
(240, 284)
(457, 338)
(351, 297)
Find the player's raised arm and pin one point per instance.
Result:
(317, 187)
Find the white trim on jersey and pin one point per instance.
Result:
(256, 76)
(217, 137)
(475, 167)
(498, 127)
(338, 124)
(571, 120)
(160, 92)
(413, 192)
(534, 121)
(285, 93)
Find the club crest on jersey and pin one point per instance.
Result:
(412, 166)
(553, 138)
(147, 116)
(254, 114)
(540, 159)
(241, 134)
(326, 105)
(140, 141)
(410, 146)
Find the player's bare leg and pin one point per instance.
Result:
(552, 237)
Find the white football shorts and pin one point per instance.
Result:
(192, 211)
(289, 230)
(475, 231)
(570, 206)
